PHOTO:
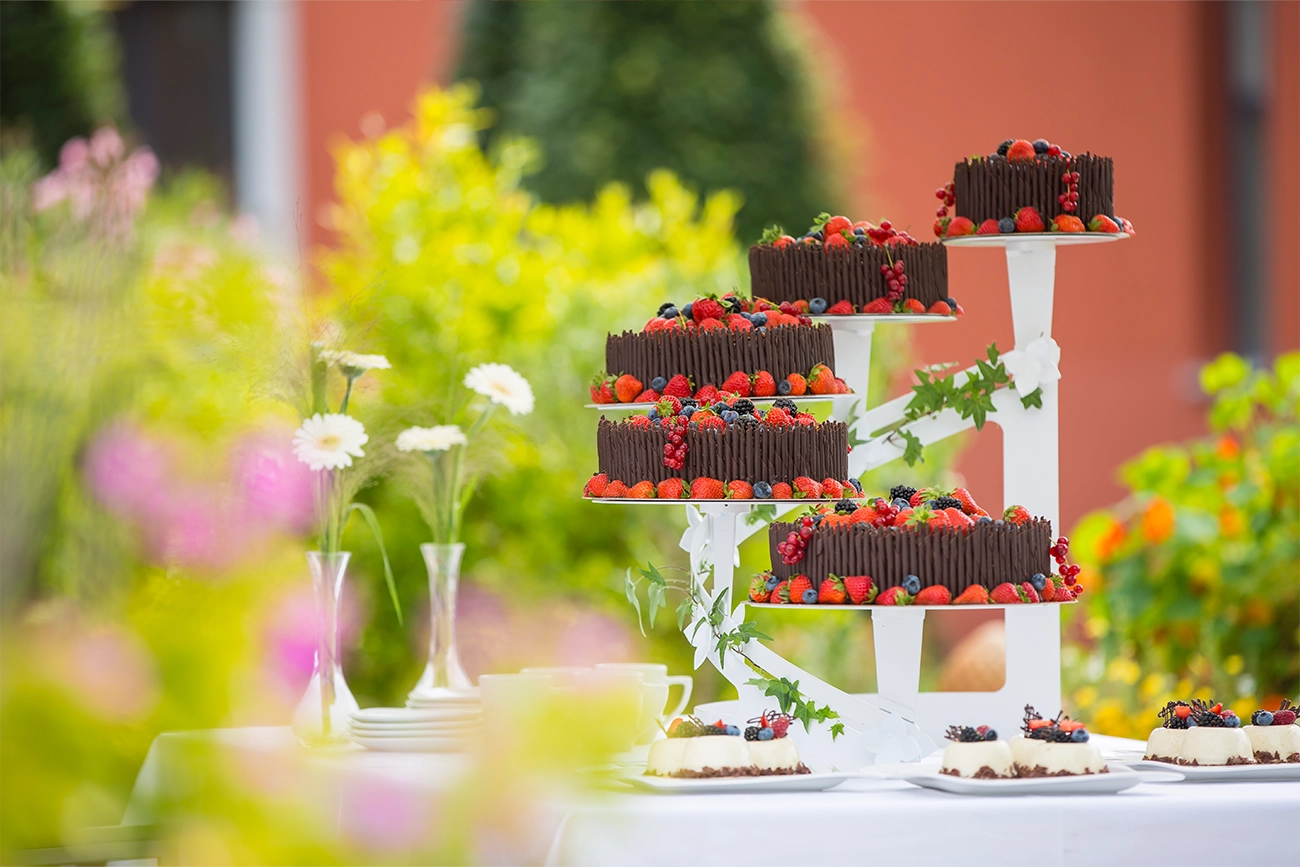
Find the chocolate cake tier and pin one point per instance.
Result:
(806, 271)
(990, 188)
(758, 454)
(986, 554)
(709, 357)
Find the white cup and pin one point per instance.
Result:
(658, 681)
(562, 675)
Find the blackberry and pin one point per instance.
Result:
(751, 733)
(963, 734)
(945, 503)
(744, 406)
(1052, 734)
(664, 306)
(747, 421)
(786, 404)
(731, 303)
(1206, 717)
(1005, 146)
(1169, 713)
(845, 507)
(714, 730)
(901, 492)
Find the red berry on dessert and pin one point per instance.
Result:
(1102, 223)
(778, 417)
(738, 490)
(975, 594)
(671, 489)
(1029, 220)
(1021, 151)
(831, 592)
(840, 308)
(837, 242)
(1066, 223)
(596, 485)
(737, 383)
(1005, 594)
(988, 227)
(960, 226)
(705, 488)
(935, 594)
(642, 491)
(941, 308)
(782, 491)
(627, 387)
(1016, 515)
(615, 490)
(1028, 593)
(647, 396)
(861, 589)
(893, 596)
(758, 591)
(821, 380)
(764, 384)
(835, 225)
(879, 307)
(706, 308)
(806, 488)
(911, 305)
(795, 591)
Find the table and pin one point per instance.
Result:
(861, 821)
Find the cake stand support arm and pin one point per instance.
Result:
(853, 365)
(1031, 275)
(897, 636)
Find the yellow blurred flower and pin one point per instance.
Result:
(1152, 685)
(1158, 521)
(1085, 696)
(1124, 670)
(1233, 664)
(1109, 719)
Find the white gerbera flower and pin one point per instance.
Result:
(431, 439)
(500, 383)
(1034, 365)
(330, 441)
(354, 363)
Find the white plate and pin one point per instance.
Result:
(1061, 239)
(721, 785)
(414, 745)
(1120, 778)
(417, 729)
(408, 716)
(861, 321)
(1226, 773)
(444, 694)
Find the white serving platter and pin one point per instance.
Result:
(1060, 239)
(729, 785)
(855, 321)
(1285, 772)
(1119, 778)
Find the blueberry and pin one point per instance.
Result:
(951, 302)
(759, 319)
(670, 313)
(1000, 522)
(733, 730)
(720, 406)
(859, 230)
(1065, 155)
(1041, 145)
(766, 734)
(686, 311)
(1038, 580)
(818, 235)
(817, 519)
(911, 585)
(685, 413)
(983, 519)
(817, 306)
(664, 307)
(761, 329)
(1005, 146)
(901, 503)
(1191, 722)
(1079, 736)
(659, 384)
(783, 387)
(1006, 225)
(991, 735)
(1261, 718)
(772, 580)
(857, 485)
(730, 416)
(810, 597)
(1231, 720)
(652, 414)
(762, 490)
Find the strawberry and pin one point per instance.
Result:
(894, 596)
(764, 384)
(960, 226)
(798, 385)
(821, 380)
(836, 242)
(1021, 150)
(738, 490)
(1048, 593)
(1067, 223)
(912, 305)
(1102, 223)
(1029, 220)
(839, 308)
(798, 584)
(968, 504)
(712, 325)
(806, 419)
(802, 306)
(668, 406)
(615, 490)
(1127, 227)
(707, 394)
(879, 307)
(640, 421)
(861, 589)
(706, 308)
(671, 489)
(921, 495)
(835, 225)
(832, 489)
(758, 591)
(972, 595)
(679, 387)
(941, 308)
(941, 226)
(957, 518)
(937, 518)
(778, 417)
(642, 491)
(903, 516)
(780, 593)
(806, 488)
(782, 491)
(602, 391)
(841, 387)
(596, 485)
(1028, 593)
(707, 419)
(737, 383)
(988, 227)
(864, 515)
(627, 387)
(831, 592)
(1005, 594)
(783, 241)
(736, 322)
(647, 396)
(935, 594)
(705, 488)
(1016, 515)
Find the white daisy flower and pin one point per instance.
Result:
(353, 363)
(330, 441)
(1033, 366)
(431, 439)
(500, 383)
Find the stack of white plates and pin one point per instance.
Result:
(415, 730)
(430, 698)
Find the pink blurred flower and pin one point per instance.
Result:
(384, 816)
(128, 472)
(97, 182)
(593, 637)
(273, 486)
(104, 668)
(290, 635)
(106, 146)
(73, 155)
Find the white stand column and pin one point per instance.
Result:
(896, 634)
(852, 364)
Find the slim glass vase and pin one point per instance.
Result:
(322, 716)
(443, 673)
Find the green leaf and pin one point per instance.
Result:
(1224, 372)
(369, 514)
(683, 611)
(629, 589)
(993, 352)
(652, 573)
(771, 233)
(765, 514)
(837, 730)
(912, 452)
(1032, 400)
(655, 594)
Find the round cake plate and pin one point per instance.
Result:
(987, 606)
(1060, 239)
(642, 407)
(719, 785)
(1118, 778)
(855, 321)
(1283, 772)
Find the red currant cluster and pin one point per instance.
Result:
(896, 279)
(886, 512)
(794, 546)
(790, 310)
(675, 448)
(948, 197)
(1070, 198)
(1069, 572)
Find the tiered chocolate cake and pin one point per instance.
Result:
(852, 273)
(993, 187)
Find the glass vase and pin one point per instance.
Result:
(443, 673)
(323, 715)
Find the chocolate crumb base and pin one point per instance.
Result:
(984, 773)
(708, 773)
(1040, 771)
(1275, 758)
(1235, 760)
(1168, 760)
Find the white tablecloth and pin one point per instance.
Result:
(862, 821)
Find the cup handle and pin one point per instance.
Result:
(687, 683)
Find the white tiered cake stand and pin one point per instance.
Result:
(900, 723)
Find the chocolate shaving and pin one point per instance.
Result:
(990, 188)
(806, 271)
(709, 357)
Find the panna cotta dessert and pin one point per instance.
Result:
(976, 753)
(695, 749)
(1199, 734)
(1274, 736)
(1054, 748)
(1165, 744)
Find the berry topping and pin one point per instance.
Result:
(970, 734)
(1261, 718)
(911, 585)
